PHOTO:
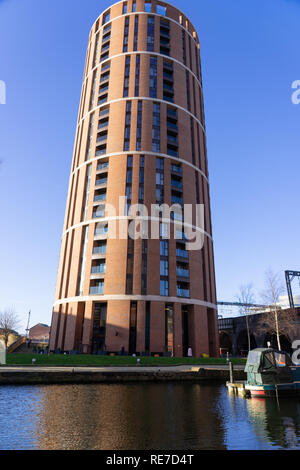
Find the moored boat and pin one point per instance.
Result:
(271, 373)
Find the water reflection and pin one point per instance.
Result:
(149, 416)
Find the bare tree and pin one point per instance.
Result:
(246, 297)
(275, 321)
(9, 321)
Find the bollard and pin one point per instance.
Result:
(231, 372)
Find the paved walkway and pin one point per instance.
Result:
(125, 369)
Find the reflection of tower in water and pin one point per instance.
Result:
(124, 417)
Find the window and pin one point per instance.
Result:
(80, 283)
(126, 31)
(168, 82)
(187, 77)
(164, 288)
(136, 33)
(89, 146)
(164, 268)
(169, 329)
(134, 7)
(106, 18)
(159, 180)
(139, 127)
(148, 7)
(130, 262)
(96, 51)
(97, 287)
(161, 10)
(126, 78)
(137, 75)
(153, 77)
(150, 34)
(183, 47)
(98, 267)
(99, 246)
(129, 182)
(164, 37)
(124, 8)
(156, 128)
(164, 248)
(87, 192)
(127, 127)
(99, 212)
(142, 179)
(193, 141)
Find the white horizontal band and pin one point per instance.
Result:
(140, 98)
(134, 152)
(125, 217)
(151, 298)
(146, 13)
(148, 53)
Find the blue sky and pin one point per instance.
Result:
(250, 57)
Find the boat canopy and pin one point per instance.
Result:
(266, 360)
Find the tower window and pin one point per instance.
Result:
(148, 7)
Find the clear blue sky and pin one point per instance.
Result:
(250, 55)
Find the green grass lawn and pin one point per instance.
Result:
(89, 360)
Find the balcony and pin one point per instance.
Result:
(102, 166)
(97, 290)
(105, 78)
(172, 140)
(172, 152)
(182, 253)
(101, 182)
(176, 184)
(99, 250)
(183, 293)
(172, 125)
(168, 87)
(105, 47)
(102, 100)
(183, 273)
(177, 200)
(100, 269)
(103, 89)
(176, 169)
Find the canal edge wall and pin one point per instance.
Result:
(92, 377)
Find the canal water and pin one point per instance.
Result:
(144, 416)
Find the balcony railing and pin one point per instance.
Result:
(100, 152)
(176, 184)
(182, 272)
(102, 166)
(182, 254)
(99, 250)
(101, 182)
(96, 290)
(98, 269)
(183, 292)
(100, 197)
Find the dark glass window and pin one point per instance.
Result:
(153, 77)
(126, 76)
(139, 126)
(150, 34)
(137, 75)
(127, 127)
(136, 33)
(126, 31)
(156, 128)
